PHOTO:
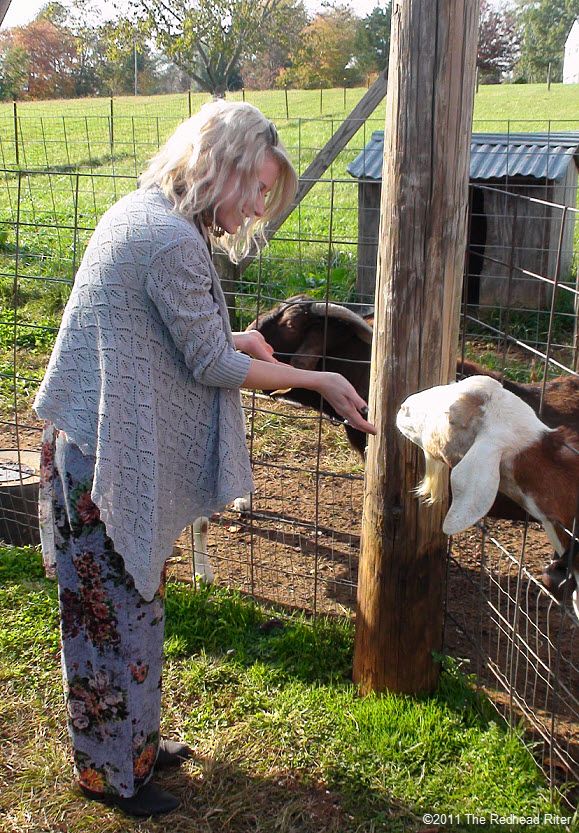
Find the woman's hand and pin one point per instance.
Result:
(336, 390)
(345, 401)
(254, 344)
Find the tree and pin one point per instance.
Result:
(209, 39)
(373, 40)
(261, 70)
(123, 46)
(13, 69)
(326, 55)
(498, 44)
(82, 20)
(543, 28)
(51, 57)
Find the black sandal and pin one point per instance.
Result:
(149, 800)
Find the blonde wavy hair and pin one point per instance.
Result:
(224, 142)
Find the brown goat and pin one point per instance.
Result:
(308, 333)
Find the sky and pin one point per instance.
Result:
(23, 11)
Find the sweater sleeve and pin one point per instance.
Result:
(179, 284)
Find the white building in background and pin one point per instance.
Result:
(571, 60)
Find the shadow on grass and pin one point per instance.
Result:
(230, 789)
(223, 622)
(81, 166)
(219, 794)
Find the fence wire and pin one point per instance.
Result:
(298, 545)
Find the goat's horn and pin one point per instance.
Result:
(363, 330)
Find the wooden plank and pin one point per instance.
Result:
(368, 226)
(4, 6)
(330, 151)
(420, 263)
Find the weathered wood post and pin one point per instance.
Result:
(420, 263)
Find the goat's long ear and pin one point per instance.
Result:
(474, 483)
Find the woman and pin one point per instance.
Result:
(145, 430)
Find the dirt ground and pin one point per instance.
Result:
(298, 548)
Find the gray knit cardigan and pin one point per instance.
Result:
(144, 376)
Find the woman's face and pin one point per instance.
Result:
(230, 214)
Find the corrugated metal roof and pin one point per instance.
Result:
(492, 155)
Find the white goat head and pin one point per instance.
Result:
(477, 428)
(493, 440)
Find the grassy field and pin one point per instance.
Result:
(118, 136)
(282, 742)
(79, 161)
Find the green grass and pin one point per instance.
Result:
(91, 167)
(282, 740)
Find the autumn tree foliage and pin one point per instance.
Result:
(326, 56)
(49, 58)
(210, 39)
(373, 39)
(13, 69)
(261, 70)
(498, 45)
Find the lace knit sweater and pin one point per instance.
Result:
(145, 377)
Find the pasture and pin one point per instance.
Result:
(77, 160)
(262, 693)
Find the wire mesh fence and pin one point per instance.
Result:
(298, 545)
(521, 641)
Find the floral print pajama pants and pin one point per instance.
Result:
(112, 639)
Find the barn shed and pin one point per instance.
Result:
(571, 59)
(508, 228)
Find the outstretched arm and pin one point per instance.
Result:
(266, 375)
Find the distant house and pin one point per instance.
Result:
(571, 59)
(519, 185)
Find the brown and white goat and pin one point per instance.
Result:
(308, 333)
(492, 441)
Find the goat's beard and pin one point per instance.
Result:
(431, 488)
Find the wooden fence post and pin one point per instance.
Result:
(16, 142)
(229, 275)
(420, 264)
(112, 125)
